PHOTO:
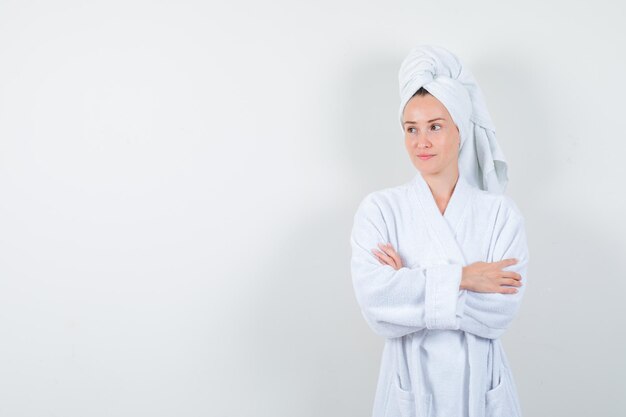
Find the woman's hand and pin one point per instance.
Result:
(490, 277)
(478, 277)
(388, 256)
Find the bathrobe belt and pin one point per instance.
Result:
(415, 370)
(477, 352)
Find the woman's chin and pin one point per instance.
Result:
(425, 170)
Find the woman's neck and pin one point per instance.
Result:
(442, 186)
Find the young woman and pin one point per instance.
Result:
(439, 263)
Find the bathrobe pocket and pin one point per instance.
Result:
(498, 401)
(404, 401)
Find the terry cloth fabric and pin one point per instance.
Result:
(443, 356)
(442, 74)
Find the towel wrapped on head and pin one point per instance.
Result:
(441, 73)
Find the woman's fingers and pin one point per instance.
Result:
(506, 262)
(383, 257)
(511, 281)
(490, 277)
(511, 275)
(388, 255)
(511, 278)
(378, 257)
(389, 250)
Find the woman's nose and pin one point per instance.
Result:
(421, 140)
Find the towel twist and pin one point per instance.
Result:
(441, 73)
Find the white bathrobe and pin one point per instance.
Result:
(442, 355)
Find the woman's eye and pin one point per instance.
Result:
(439, 126)
(410, 129)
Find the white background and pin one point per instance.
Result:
(178, 180)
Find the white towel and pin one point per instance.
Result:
(442, 74)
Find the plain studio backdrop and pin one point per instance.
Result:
(178, 182)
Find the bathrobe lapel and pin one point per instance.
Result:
(442, 227)
(442, 230)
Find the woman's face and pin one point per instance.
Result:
(429, 129)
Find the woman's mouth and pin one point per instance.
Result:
(425, 157)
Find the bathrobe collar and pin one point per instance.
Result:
(443, 226)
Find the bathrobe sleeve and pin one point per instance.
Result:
(490, 314)
(398, 302)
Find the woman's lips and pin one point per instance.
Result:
(425, 157)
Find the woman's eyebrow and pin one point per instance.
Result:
(431, 120)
